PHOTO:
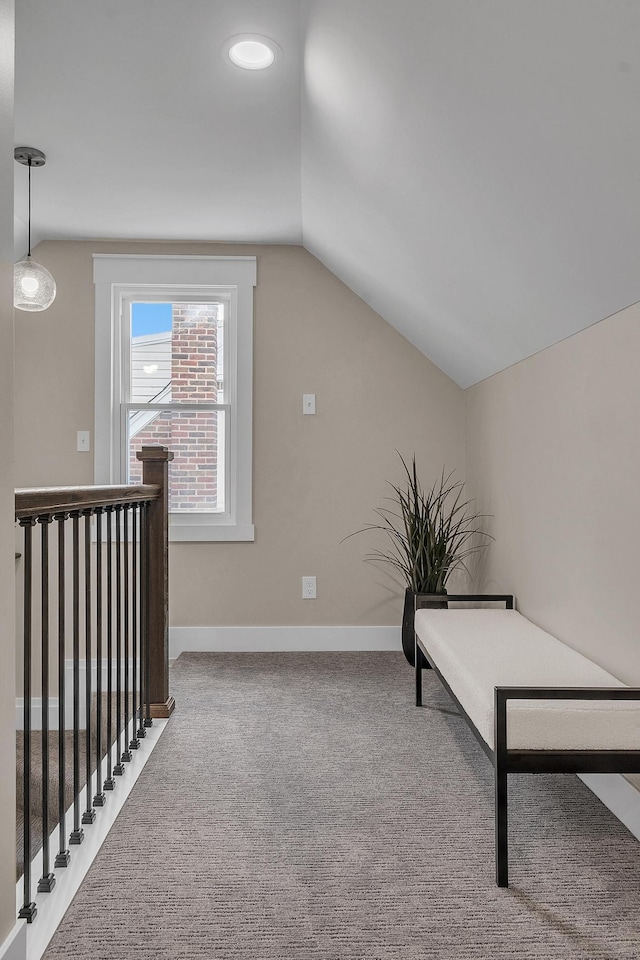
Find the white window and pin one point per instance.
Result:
(174, 366)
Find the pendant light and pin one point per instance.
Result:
(33, 286)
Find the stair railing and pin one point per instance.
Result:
(107, 600)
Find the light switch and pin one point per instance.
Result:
(84, 441)
(308, 403)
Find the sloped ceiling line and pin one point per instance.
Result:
(468, 168)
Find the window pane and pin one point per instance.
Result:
(197, 439)
(177, 352)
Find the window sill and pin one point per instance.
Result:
(210, 532)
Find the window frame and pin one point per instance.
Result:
(119, 279)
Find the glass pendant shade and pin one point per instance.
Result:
(33, 286)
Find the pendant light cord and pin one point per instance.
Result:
(29, 253)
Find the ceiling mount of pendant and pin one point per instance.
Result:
(29, 156)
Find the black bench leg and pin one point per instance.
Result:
(502, 850)
(420, 661)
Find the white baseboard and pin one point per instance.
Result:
(265, 639)
(618, 795)
(15, 946)
(36, 702)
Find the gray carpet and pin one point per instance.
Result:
(299, 806)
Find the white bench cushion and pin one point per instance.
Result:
(477, 650)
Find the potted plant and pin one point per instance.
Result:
(431, 534)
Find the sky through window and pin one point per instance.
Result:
(150, 318)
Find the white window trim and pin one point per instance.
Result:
(119, 275)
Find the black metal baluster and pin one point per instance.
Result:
(141, 620)
(135, 742)
(145, 580)
(47, 881)
(28, 910)
(89, 814)
(99, 798)
(63, 857)
(126, 753)
(119, 766)
(109, 783)
(77, 834)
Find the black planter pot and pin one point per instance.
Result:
(408, 633)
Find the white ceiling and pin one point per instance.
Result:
(149, 132)
(469, 167)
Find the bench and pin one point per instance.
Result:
(534, 704)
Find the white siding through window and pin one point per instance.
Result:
(147, 352)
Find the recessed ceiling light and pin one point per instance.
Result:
(252, 52)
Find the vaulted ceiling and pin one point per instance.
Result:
(470, 168)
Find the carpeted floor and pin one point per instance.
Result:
(299, 806)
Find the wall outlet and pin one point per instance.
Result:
(308, 588)
(308, 403)
(84, 441)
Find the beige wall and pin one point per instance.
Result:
(316, 479)
(554, 453)
(7, 645)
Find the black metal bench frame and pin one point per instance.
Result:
(507, 761)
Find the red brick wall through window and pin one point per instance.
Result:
(193, 437)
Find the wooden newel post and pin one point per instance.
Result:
(155, 470)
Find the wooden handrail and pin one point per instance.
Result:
(46, 501)
(37, 502)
